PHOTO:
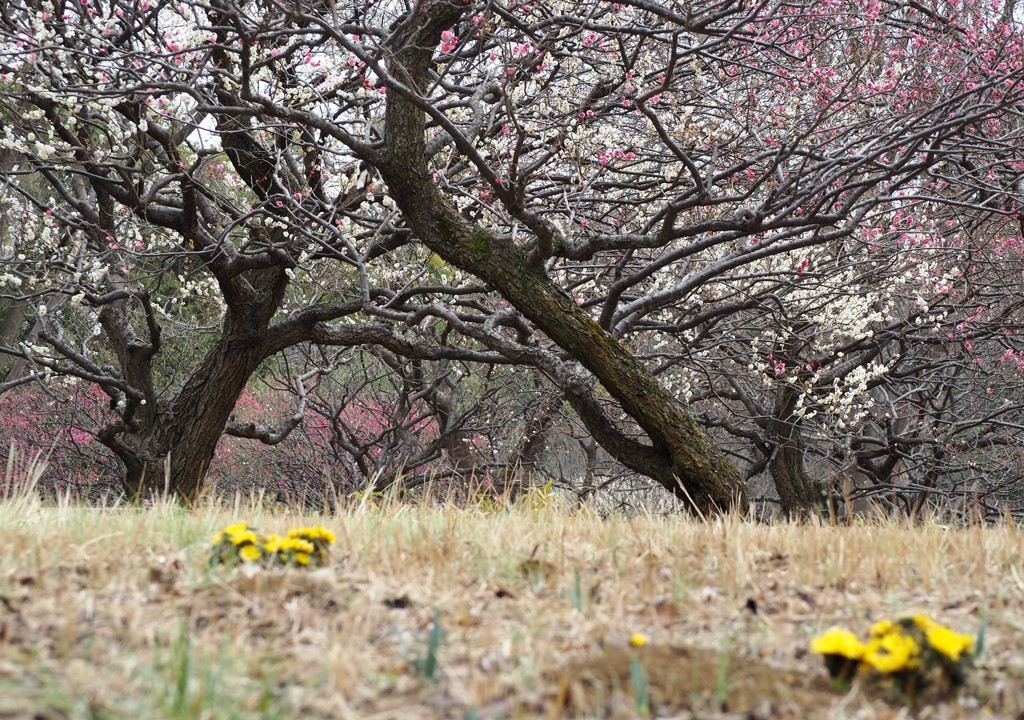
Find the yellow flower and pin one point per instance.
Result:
(250, 552)
(894, 652)
(637, 640)
(230, 532)
(300, 545)
(273, 543)
(882, 627)
(245, 537)
(302, 558)
(925, 623)
(949, 643)
(313, 533)
(838, 641)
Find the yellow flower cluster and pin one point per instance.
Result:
(300, 550)
(319, 538)
(301, 546)
(914, 649)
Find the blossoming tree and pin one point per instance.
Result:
(678, 214)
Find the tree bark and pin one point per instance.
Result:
(799, 496)
(10, 335)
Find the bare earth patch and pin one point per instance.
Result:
(115, 614)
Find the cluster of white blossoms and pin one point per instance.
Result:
(197, 287)
(683, 382)
(847, 402)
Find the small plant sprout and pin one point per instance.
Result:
(576, 593)
(640, 682)
(428, 664)
(540, 498)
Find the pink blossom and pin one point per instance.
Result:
(449, 41)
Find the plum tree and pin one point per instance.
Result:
(715, 228)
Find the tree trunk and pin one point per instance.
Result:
(799, 496)
(681, 457)
(10, 335)
(184, 429)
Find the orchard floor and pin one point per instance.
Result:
(116, 614)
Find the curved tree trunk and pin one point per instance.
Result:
(166, 444)
(185, 430)
(681, 456)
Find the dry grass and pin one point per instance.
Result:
(114, 614)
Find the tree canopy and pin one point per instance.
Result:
(736, 236)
